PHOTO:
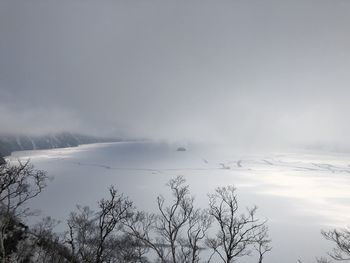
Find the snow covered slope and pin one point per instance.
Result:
(11, 143)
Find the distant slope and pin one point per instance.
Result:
(11, 143)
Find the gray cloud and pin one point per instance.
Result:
(244, 71)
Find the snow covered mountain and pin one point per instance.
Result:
(11, 143)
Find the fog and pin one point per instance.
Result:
(247, 72)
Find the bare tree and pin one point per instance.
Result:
(262, 243)
(198, 224)
(47, 245)
(18, 184)
(141, 226)
(81, 233)
(111, 213)
(236, 232)
(172, 218)
(174, 234)
(96, 236)
(116, 232)
(341, 239)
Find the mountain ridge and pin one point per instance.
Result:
(12, 143)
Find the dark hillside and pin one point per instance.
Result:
(10, 143)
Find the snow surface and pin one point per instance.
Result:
(299, 193)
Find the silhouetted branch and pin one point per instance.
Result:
(236, 232)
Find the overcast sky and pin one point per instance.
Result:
(236, 70)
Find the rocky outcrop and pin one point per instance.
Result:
(181, 149)
(2, 161)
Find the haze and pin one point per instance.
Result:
(249, 72)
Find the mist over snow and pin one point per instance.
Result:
(246, 72)
(132, 93)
